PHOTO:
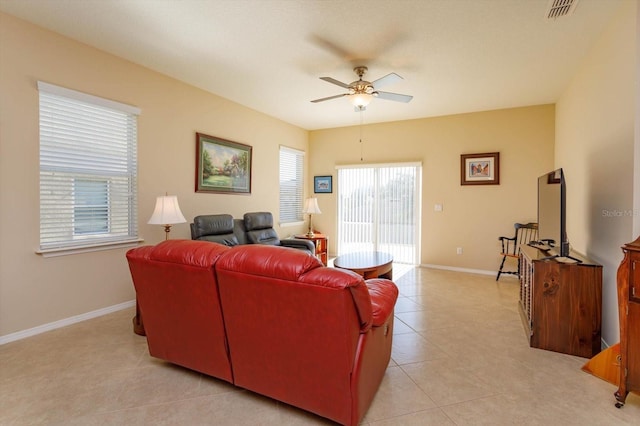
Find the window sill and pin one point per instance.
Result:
(288, 224)
(65, 251)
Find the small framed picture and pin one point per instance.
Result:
(480, 169)
(322, 184)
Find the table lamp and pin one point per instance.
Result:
(167, 213)
(311, 208)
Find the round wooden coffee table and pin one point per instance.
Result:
(369, 264)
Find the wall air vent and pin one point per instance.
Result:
(559, 8)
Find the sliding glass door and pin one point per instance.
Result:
(379, 209)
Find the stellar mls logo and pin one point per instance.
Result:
(620, 213)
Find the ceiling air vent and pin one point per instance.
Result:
(559, 8)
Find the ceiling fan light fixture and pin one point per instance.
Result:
(361, 92)
(360, 100)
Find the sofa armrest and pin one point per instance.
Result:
(384, 294)
(299, 244)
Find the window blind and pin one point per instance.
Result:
(291, 185)
(88, 170)
(379, 209)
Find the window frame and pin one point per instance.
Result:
(289, 218)
(86, 138)
(365, 203)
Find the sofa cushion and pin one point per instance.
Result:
(187, 252)
(269, 261)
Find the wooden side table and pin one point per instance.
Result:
(320, 241)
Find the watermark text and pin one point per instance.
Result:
(620, 213)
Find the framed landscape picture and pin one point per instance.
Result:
(222, 166)
(480, 169)
(322, 184)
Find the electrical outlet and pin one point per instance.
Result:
(459, 250)
(438, 208)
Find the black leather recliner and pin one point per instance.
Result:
(218, 228)
(254, 228)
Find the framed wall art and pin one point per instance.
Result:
(222, 166)
(480, 169)
(323, 184)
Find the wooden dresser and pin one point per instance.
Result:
(561, 303)
(629, 312)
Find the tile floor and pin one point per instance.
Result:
(460, 357)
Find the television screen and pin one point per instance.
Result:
(552, 228)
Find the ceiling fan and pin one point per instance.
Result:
(361, 92)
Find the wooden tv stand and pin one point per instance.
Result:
(561, 303)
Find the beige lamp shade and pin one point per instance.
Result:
(167, 213)
(311, 206)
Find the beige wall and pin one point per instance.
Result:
(473, 216)
(595, 146)
(35, 290)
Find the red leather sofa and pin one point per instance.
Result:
(270, 319)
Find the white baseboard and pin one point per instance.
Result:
(7, 338)
(456, 269)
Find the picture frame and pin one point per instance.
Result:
(222, 166)
(323, 184)
(480, 169)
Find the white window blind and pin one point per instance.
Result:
(88, 170)
(379, 209)
(291, 185)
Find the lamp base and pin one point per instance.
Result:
(310, 233)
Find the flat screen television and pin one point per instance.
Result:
(552, 212)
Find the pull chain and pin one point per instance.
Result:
(361, 119)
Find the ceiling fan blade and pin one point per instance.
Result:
(386, 80)
(334, 81)
(394, 97)
(328, 98)
(332, 47)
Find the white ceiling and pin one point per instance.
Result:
(456, 56)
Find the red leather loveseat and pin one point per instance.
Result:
(269, 319)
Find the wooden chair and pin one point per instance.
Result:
(525, 232)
